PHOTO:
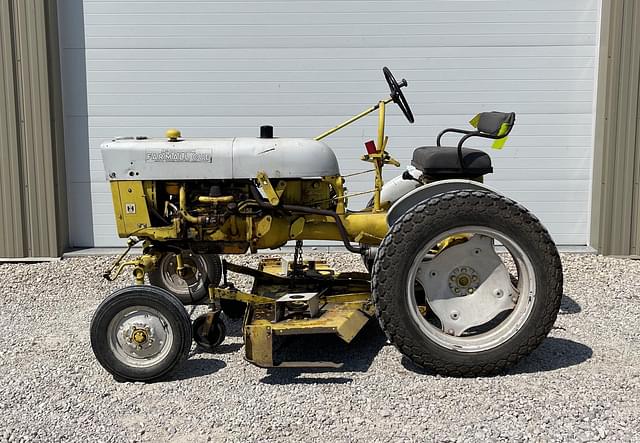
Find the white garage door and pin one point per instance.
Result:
(223, 68)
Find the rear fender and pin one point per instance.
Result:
(427, 191)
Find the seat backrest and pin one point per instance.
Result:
(494, 123)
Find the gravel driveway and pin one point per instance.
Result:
(582, 384)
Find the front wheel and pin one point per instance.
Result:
(140, 333)
(467, 283)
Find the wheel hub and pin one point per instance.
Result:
(478, 280)
(142, 335)
(139, 335)
(463, 281)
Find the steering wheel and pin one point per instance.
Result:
(396, 93)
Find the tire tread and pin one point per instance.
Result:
(438, 210)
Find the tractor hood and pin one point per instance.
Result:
(139, 158)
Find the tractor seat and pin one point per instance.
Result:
(443, 162)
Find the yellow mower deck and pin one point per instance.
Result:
(284, 302)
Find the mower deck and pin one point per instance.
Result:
(303, 298)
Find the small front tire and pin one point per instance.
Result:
(140, 333)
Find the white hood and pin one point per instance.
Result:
(217, 158)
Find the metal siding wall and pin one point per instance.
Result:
(11, 234)
(617, 168)
(57, 125)
(31, 183)
(223, 68)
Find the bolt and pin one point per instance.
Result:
(457, 291)
(470, 291)
(450, 331)
(514, 298)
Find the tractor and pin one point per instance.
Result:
(462, 280)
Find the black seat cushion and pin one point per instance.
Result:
(443, 161)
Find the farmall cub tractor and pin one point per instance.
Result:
(462, 280)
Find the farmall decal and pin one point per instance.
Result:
(178, 156)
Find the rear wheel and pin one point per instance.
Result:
(190, 288)
(447, 295)
(140, 333)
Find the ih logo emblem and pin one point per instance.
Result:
(130, 208)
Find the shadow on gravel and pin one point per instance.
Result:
(569, 306)
(554, 353)
(355, 357)
(224, 348)
(196, 367)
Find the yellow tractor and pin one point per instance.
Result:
(463, 280)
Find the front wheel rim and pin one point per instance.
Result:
(470, 302)
(140, 336)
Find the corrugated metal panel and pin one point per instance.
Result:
(57, 125)
(617, 172)
(31, 216)
(12, 242)
(35, 137)
(223, 68)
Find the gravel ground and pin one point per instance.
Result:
(582, 384)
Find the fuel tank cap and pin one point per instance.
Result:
(173, 134)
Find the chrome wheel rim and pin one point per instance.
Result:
(468, 300)
(192, 282)
(140, 336)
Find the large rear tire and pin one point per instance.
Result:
(140, 333)
(448, 301)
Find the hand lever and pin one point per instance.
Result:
(403, 83)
